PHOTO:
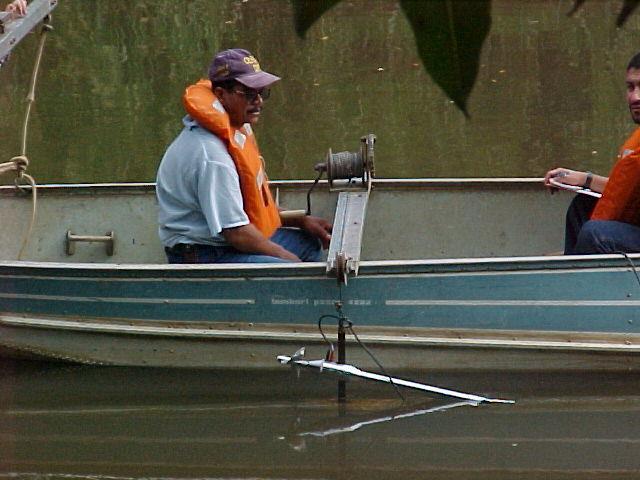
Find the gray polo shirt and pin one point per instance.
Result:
(198, 189)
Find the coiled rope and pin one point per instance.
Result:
(345, 165)
(20, 162)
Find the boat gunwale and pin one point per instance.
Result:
(295, 183)
(367, 267)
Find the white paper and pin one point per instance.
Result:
(574, 188)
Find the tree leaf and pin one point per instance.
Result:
(306, 12)
(449, 36)
(627, 9)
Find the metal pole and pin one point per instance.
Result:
(342, 358)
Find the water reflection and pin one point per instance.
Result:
(388, 417)
(79, 422)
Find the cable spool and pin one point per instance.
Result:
(350, 165)
(344, 165)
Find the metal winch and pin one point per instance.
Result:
(351, 174)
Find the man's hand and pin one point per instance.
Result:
(287, 255)
(564, 175)
(17, 8)
(318, 227)
(574, 177)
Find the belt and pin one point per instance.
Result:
(186, 248)
(182, 248)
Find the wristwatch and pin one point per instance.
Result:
(588, 180)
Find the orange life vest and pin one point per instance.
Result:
(621, 197)
(203, 106)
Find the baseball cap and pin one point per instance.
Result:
(241, 65)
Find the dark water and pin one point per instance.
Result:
(550, 88)
(110, 423)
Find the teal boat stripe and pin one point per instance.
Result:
(392, 303)
(164, 301)
(121, 279)
(514, 303)
(161, 279)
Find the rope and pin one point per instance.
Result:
(20, 163)
(31, 97)
(633, 266)
(14, 165)
(344, 165)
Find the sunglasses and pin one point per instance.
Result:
(252, 95)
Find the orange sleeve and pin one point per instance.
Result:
(621, 197)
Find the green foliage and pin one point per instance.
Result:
(449, 35)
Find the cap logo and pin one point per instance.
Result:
(251, 60)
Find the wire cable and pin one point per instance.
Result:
(633, 266)
(331, 347)
(384, 372)
(311, 190)
(349, 326)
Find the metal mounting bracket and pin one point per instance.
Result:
(346, 239)
(13, 30)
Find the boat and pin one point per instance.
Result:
(437, 274)
(451, 274)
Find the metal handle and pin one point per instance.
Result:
(108, 239)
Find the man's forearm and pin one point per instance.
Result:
(598, 183)
(249, 239)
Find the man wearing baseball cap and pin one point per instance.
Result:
(215, 205)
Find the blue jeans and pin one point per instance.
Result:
(306, 247)
(584, 236)
(608, 236)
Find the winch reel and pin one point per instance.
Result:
(350, 165)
